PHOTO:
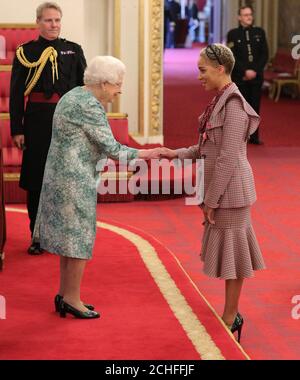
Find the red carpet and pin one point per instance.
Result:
(136, 322)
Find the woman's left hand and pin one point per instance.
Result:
(209, 214)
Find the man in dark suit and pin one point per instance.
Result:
(249, 46)
(172, 15)
(43, 70)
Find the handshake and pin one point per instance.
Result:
(149, 154)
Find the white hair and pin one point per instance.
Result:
(103, 69)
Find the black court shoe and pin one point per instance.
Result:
(66, 308)
(237, 325)
(58, 299)
(35, 249)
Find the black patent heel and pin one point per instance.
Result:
(66, 308)
(62, 313)
(237, 326)
(57, 301)
(239, 333)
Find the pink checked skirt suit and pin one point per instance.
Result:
(229, 248)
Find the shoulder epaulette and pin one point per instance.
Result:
(25, 43)
(69, 42)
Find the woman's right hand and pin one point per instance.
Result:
(209, 214)
(155, 153)
(168, 153)
(149, 154)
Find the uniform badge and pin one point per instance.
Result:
(68, 52)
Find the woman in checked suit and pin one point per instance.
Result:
(229, 248)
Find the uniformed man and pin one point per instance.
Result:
(43, 70)
(249, 46)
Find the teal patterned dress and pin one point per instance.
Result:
(81, 136)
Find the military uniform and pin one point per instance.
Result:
(44, 71)
(250, 49)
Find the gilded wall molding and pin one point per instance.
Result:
(156, 71)
(11, 177)
(112, 115)
(17, 26)
(117, 43)
(141, 125)
(5, 67)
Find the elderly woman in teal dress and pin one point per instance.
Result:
(81, 136)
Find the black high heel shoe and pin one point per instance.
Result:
(66, 308)
(58, 299)
(35, 249)
(237, 325)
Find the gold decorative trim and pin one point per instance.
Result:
(110, 115)
(11, 177)
(113, 115)
(18, 26)
(117, 43)
(135, 134)
(116, 176)
(5, 67)
(156, 74)
(141, 125)
(117, 28)
(15, 209)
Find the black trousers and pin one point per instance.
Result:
(33, 198)
(251, 91)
